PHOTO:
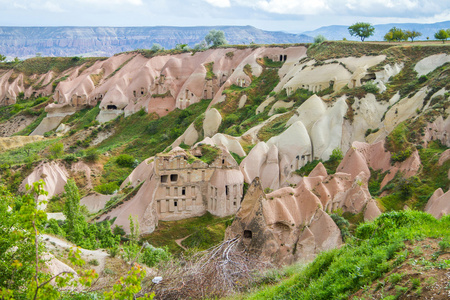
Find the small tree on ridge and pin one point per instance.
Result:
(362, 30)
(216, 38)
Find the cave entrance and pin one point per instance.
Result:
(111, 107)
(248, 234)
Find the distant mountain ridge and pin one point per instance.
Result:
(338, 32)
(25, 42)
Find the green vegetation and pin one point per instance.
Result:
(274, 127)
(145, 135)
(216, 38)
(416, 190)
(238, 120)
(339, 273)
(441, 35)
(27, 154)
(209, 71)
(24, 107)
(330, 165)
(319, 39)
(371, 87)
(361, 30)
(167, 232)
(42, 65)
(267, 62)
(209, 153)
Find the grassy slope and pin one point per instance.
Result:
(205, 231)
(377, 248)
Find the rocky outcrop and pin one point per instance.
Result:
(282, 228)
(95, 202)
(439, 204)
(54, 176)
(291, 223)
(363, 156)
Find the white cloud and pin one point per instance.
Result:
(52, 7)
(219, 3)
(112, 2)
(293, 7)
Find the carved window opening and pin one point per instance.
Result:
(183, 191)
(173, 177)
(175, 203)
(164, 178)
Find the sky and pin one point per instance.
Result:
(294, 16)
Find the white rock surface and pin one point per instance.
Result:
(211, 123)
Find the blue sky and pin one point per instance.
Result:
(286, 15)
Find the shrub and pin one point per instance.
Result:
(107, 188)
(401, 155)
(94, 262)
(151, 255)
(56, 150)
(281, 110)
(423, 78)
(371, 87)
(69, 158)
(113, 251)
(319, 39)
(336, 155)
(125, 161)
(92, 155)
(395, 278)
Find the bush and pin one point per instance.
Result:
(125, 161)
(336, 155)
(92, 155)
(423, 78)
(151, 255)
(371, 87)
(94, 262)
(319, 39)
(69, 158)
(56, 150)
(281, 110)
(401, 155)
(107, 188)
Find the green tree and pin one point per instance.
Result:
(395, 34)
(441, 35)
(389, 36)
(156, 47)
(19, 222)
(362, 30)
(216, 38)
(74, 218)
(319, 39)
(412, 34)
(2, 57)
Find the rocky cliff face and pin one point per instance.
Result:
(26, 42)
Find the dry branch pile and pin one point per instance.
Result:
(220, 271)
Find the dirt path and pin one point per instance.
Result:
(181, 240)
